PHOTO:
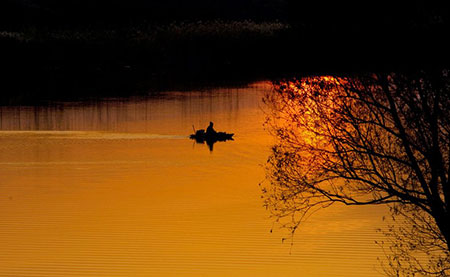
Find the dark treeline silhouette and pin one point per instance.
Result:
(76, 13)
(320, 13)
(368, 14)
(57, 48)
(328, 13)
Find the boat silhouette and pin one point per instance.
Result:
(200, 136)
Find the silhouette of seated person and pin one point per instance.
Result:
(210, 130)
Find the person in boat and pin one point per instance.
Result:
(210, 130)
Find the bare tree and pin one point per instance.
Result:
(367, 140)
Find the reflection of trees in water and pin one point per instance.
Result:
(378, 139)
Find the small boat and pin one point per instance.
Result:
(201, 136)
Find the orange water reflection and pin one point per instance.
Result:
(115, 188)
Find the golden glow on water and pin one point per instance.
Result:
(115, 188)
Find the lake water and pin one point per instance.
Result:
(116, 188)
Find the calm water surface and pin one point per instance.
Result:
(115, 188)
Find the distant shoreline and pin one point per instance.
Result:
(45, 64)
